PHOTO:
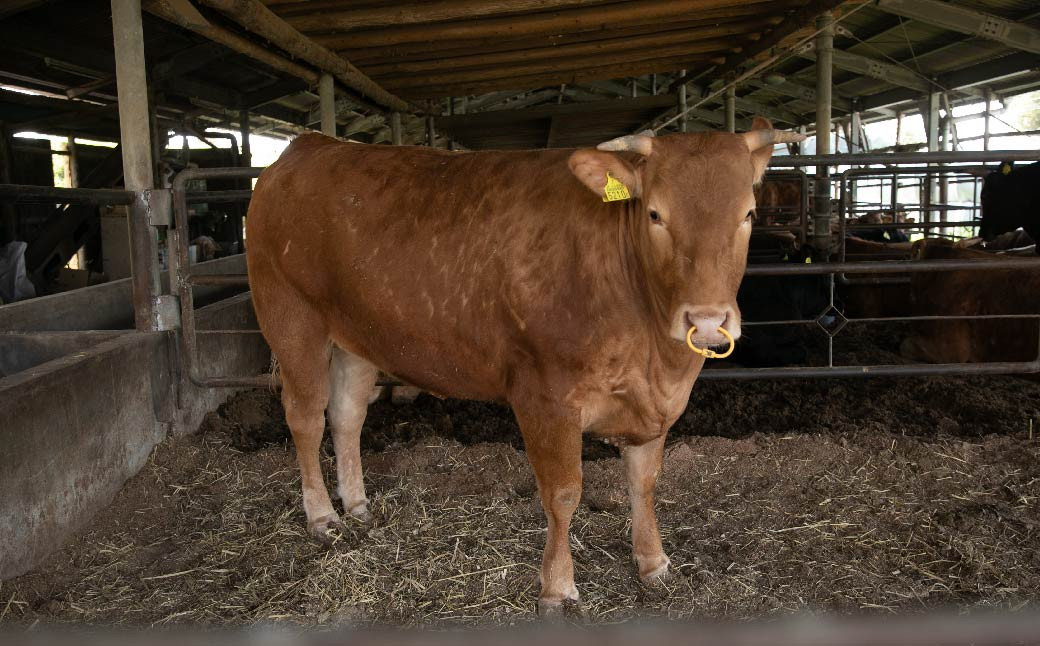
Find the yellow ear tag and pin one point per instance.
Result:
(615, 191)
(1006, 169)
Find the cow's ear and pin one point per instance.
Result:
(592, 167)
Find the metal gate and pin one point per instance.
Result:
(930, 167)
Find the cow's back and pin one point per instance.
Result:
(438, 267)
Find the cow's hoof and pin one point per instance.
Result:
(658, 576)
(361, 514)
(554, 610)
(322, 528)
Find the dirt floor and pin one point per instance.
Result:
(869, 496)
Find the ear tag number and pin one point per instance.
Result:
(1006, 169)
(614, 190)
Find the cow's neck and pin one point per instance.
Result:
(646, 286)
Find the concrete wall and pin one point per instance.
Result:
(74, 430)
(82, 411)
(104, 307)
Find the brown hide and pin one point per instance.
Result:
(469, 273)
(874, 296)
(504, 276)
(1000, 291)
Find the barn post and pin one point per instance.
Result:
(731, 107)
(395, 128)
(246, 156)
(931, 124)
(824, 72)
(989, 108)
(327, 104)
(8, 215)
(431, 133)
(682, 102)
(135, 138)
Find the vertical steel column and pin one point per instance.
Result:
(824, 71)
(395, 128)
(245, 158)
(8, 215)
(135, 140)
(327, 104)
(731, 108)
(989, 108)
(431, 133)
(931, 124)
(682, 102)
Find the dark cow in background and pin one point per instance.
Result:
(971, 292)
(1011, 200)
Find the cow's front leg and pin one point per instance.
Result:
(643, 465)
(555, 455)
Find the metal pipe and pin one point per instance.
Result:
(60, 195)
(135, 139)
(327, 104)
(245, 158)
(682, 103)
(731, 108)
(889, 266)
(824, 76)
(950, 157)
(913, 370)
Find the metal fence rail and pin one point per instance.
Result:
(177, 242)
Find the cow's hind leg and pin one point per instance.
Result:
(555, 455)
(643, 465)
(299, 341)
(351, 381)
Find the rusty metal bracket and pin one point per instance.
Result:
(158, 203)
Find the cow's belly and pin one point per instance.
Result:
(441, 364)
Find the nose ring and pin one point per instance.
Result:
(708, 353)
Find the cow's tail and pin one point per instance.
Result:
(275, 373)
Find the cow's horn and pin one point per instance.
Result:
(768, 136)
(642, 143)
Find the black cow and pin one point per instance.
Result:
(779, 298)
(1011, 199)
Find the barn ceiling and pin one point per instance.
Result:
(559, 72)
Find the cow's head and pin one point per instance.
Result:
(690, 217)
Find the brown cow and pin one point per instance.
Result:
(504, 276)
(968, 292)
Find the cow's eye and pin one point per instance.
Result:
(750, 215)
(655, 216)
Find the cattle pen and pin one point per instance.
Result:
(870, 453)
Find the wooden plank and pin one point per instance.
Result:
(542, 113)
(691, 51)
(520, 83)
(322, 16)
(258, 19)
(621, 14)
(433, 50)
(688, 38)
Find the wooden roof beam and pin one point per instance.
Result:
(262, 21)
(623, 14)
(691, 51)
(793, 23)
(332, 16)
(507, 81)
(363, 56)
(692, 40)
